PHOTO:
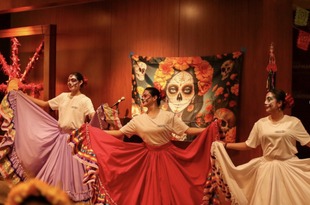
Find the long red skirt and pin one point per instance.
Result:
(137, 173)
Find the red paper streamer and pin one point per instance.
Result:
(303, 40)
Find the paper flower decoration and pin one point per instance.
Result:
(13, 71)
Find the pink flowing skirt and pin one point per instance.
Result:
(34, 146)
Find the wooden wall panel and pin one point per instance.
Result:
(215, 29)
(148, 28)
(83, 43)
(211, 27)
(97, 38)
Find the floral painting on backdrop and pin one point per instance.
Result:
(197, 89)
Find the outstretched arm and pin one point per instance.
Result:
(39, 102)
(116, 133)
(237, 146)
(194, 130)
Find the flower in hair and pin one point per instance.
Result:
(289, 100)
(85, 80)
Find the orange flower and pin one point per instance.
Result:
(203, 72)
(237, 54)
(166, 67)
(182, 63)
(231, 135)
(35, 187)
(233, 76)
(135, 57)
(219, 91)
(208, 118)
(209, 108)
(214, 88)
(235, 89)
(199, 121)
(203, 87)
(232, 103)
(196, 61)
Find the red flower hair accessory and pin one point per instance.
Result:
(289, 100)
(85, 80)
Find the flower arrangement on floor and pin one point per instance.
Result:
(39, 191)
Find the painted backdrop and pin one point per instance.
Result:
(197, 89)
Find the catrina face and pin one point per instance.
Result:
(147, 99)
(180, 91)
(271, 103)
(73, 83)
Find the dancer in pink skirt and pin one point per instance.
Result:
(34, 144)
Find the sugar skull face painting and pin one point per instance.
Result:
(73, 83)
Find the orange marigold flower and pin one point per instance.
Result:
(199, 115)
(169, 60)
(209, 107)
(237, 54)
(214, 88)
(208, 117)
(165, 68)
(232, 103)
(135, 57)
(233, 76)
(204, 74)
(219, 91)
(158, 86)
(208, 100)
(203, 88)
(35, 187)
(199, 121)
(196, 60)
(204, 71)
(162, 74)
(182, 63)
(231, 135)
(235, 89)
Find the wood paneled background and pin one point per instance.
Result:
(97, 37)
